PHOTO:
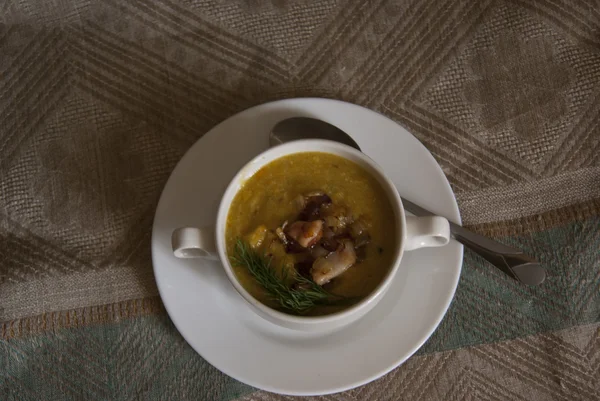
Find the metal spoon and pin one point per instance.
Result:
(510, 260)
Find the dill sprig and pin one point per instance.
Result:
(307, 295)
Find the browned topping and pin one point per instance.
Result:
(325, 240)
(312, 206)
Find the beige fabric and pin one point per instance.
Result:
(77, 290)
(100, 99)
(529, 198)
(99, 314)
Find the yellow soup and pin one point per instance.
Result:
(270, 198)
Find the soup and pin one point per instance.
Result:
(311, 233)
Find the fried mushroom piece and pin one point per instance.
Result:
(312, 206)
(358, 232)
(305, 233)
(326, 268)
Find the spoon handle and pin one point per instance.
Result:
(510, 260)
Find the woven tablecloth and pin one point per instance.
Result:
(99, 100)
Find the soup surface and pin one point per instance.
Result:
(307, 211)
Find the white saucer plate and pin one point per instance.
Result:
(216, 321)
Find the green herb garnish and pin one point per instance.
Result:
(303, 295)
